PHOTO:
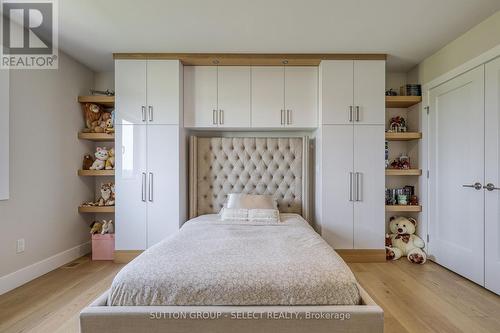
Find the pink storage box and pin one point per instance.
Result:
(103, 246)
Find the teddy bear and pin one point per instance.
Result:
(95, 227)
(403, 241)
(110, 162)
(104, 123)
(101, 155)
(92, 114)
(107, 195)
(88, 160)
(107, 227)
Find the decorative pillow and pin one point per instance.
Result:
(264, 215)
(250, 201)
(237, 214)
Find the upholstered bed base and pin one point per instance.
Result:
(98, 317)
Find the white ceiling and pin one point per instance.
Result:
(408, 30)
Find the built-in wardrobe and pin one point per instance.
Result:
(464, 174)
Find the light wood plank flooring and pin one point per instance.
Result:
(415, 298)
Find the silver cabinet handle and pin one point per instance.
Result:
(476, 186)
(288, 117)
(143, 109)
(357, 113)
(282, 117)
(359, 186)
(350, 113)
(491, 187)
(221, 117)
(143, 194)
(214, 117)
(150, 112)
(150, 187)
(351, 179)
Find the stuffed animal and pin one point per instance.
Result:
(104, 123)
(403, 241)
(101, 155)
(91, 113)
(110, 162)
(107, 195)
(88, 160)
(107, 227)
(95, 227)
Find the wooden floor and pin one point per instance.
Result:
(415, 298)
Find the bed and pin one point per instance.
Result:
(226, 276)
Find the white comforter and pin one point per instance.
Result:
(214, 262)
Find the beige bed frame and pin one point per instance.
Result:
(366, 317)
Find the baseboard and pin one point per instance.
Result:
(26, 274)
(358, 255)
(126, 256)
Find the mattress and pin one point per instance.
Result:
(215, 262)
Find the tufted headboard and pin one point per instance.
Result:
(222, 165)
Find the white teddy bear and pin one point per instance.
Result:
(101, 155)
(403, 241)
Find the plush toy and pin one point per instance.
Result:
(95, 227)
(88, 160)
(104, 124)
(91, 113)
(403, 241)
(101, 155)
(107, 195)
(107, 227)
(110, 162)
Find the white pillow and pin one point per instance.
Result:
(237, 214)
(250, 201)
(264, 215)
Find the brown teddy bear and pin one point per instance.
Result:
(91, 113)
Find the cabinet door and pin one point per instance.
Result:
(130, 85)
(369, 92)
(492, 176)
(268, 96)
(163, 91)
(301, 96)
(163, 182)
(200, 96)
(369, 168)
(336, 92)
(130, 182)
(233, 93)
(337, 166)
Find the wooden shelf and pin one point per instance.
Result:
(403, 172)
(92, 173)
(96, 209)
(98, 137)
(402, 208)
(406, 136)
(401, 101)
(107, 101)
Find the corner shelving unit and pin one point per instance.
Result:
(405, 140)
(107, 102)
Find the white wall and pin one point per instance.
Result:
(104, 80)
(4, 134)
(474, 42)
(45, 155)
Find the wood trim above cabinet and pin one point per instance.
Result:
(357, 255)
(247, 59)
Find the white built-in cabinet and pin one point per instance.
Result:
(150, 156)
(149, 92)
(250, 97)
(350, 181)
(351, 92)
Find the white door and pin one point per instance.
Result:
(301, 96)
(336, 91)
(130, 86)
(163, 182)
(456, 157)
(492, 168)
(163, 91)
(268, 96)
(369, 92)
(369, 168)
(337, 194)
(130, 182)
(200, 96)
(233, 93)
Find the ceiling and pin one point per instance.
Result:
(407, 30)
